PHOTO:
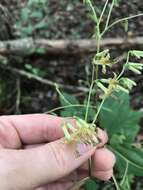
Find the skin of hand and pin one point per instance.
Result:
(33, 156)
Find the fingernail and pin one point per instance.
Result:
(83, 148)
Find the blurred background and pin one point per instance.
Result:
(30, 66)
(60, 19)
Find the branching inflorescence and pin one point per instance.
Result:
(101, 88)
(105, 86)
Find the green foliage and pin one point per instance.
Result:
(34, 70)
(33, 17)
(121, 116)
(122, 125)
(90, 184)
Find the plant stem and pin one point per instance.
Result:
(124, 67)
(92, 9)
(109, 15)
(61, 95)
(97, 70)
(120, 20)
(125, 173)
(115, 182)
(88, 101)
(98, 111)
(90, 168)
(102, 13)
(68, 106)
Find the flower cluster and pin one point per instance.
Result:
(103, 59)
(83, 133)
(117, 82)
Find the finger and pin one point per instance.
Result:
(33, 146)
(103, 160)
(29, 129)
(103, 137)
(102, 172)
(56, 186)
(45, 164)
(103, 175)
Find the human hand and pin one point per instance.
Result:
(32, 155)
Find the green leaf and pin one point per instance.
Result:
(121, 120)
(70, 98)
(90, 185)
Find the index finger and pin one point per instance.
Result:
(30, 128)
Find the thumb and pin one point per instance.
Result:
(57, 159)
(38, 166)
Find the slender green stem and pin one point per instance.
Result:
(109, 14)
(92, 9)
(90, 91)
(102, 13)
(94, 75)
(115, 182)
(119, 21)
(61, 95)
(94, 70)
(88, 101)
(125, 173)
(124, 67)
(68, 106)
(98, 111)
(97, 69)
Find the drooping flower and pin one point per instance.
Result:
(83, 133)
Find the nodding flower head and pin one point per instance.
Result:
(82, 133)
(103, 59)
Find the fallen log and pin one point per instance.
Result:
(44, 46)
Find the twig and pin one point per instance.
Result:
(42, 80)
